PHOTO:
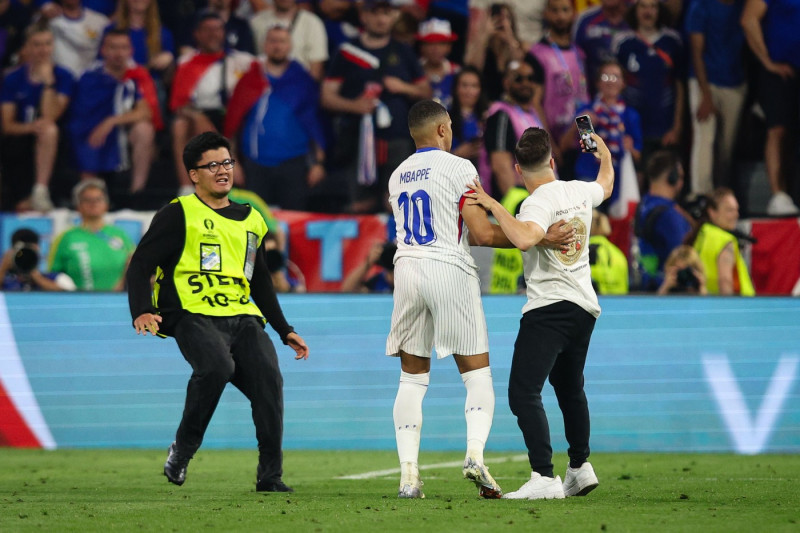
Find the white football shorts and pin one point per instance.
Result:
(436, 304)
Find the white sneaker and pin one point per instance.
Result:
(539, 488)
(478, 473)
(410, 484)
(40, 198)
(781, 204)
(580, 481)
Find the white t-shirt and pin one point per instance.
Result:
(425, 193)
(76, 40)
(551, 275)
(309, 38)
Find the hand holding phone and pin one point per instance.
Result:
(585, 131)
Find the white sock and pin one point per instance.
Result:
(478, 409)
(408, 415)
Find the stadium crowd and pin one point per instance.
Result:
(315, 96)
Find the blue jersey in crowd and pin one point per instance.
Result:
(652, 70)
(99, 95)
(18, 89)
(283, 121)
(781, 26)
(719, 23)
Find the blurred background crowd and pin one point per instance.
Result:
(698, 100)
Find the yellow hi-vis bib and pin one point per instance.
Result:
(710, 242)
(213, 274)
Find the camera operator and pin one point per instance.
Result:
(683, 273)
(19, 268)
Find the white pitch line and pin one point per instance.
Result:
(450, 464)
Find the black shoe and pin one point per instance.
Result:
(272, 485)
(175, 467)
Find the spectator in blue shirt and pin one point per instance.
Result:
(281, 141)
(660, 224)
(652, 56)
(32, 99)
(716, 88)
(772, 31)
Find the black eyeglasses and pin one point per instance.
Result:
(213, 166)
(519, 78)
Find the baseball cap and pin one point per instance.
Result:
(436, 31)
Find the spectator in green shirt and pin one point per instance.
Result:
(95, 255)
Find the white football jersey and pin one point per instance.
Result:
(425, 193)
(551, 275)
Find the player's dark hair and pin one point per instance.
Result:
(197, 146)
(533, 149)
(423, 112)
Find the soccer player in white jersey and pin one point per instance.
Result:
(437, 300)
(559, 316)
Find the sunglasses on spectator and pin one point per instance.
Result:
(519, 78)
(609, 77)
(213, 166)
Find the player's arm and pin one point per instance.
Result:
(521, 234)
(481, 231)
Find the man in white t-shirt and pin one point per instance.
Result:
(77, 32)
(559, 316)
(309, 38)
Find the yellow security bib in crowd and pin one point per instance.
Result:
(507, 264)
(710, 242)
(610, 268)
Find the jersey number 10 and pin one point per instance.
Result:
(417, 217)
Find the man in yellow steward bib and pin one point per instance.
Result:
(206, 254)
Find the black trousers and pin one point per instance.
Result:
(237, 350)
(552, 342)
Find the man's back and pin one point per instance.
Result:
(425, 193)
(553, 275)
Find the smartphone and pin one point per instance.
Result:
(585, 128)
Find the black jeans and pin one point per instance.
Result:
(552, 341)
(237, 350)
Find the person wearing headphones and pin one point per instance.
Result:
(660, 224)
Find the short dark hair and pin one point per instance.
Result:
(25, 236)
(533, 149)
(197, 146)
(660, 164)
(424, 112)
(114, 32)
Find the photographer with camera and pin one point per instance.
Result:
(364, 279)
(19, 268)
(683, 273)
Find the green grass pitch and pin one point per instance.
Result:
(124, 490)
